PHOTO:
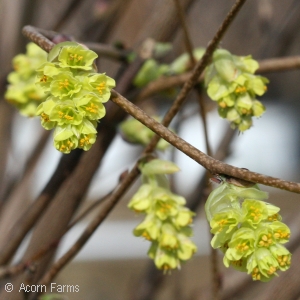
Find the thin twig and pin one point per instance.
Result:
(109, 205)
(201, 193)
(202, 109)
(186, 36)
(209, 163)
(145, 51)
(108, 51)
(32, 34)
(279, 64)
(32, 214)
(189, 48)
(15, 204)
(102, 27)
(67, 14)
(199, 68)
(43, 38)
(216, 286)
(265, 66)
(10, 271)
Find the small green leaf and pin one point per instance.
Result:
(157, 166)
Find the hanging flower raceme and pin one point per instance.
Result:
(76, 94)
(230, 81)
(22, 91)
(248, 230)
(167, 224)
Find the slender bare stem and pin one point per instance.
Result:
(209, 163)
(186, 36)
(200, 66)
(109, 205)
(216, 286)
(265, 66)
(107, 51)
(67, 14)
(21, 266)
(32, 214)
(32, 33)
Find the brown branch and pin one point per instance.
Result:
(108, 206)
(16, 202)
(199, 68)
(265, 66)
(209, 163)
(32, 214)
(186, 36)
(108, 51)
(189, 48)
(111, 201)
(6, 115)
(44, 38)
(101, 28)
(216, 286)
(201, 65)
(279, 64)
(63, 206)
(10, 271)
(32, 34)
(67, 14)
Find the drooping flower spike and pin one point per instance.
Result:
(231, 82)
(247, 229)
(76, 94)
(167, 224)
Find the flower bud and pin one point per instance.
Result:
(158, 166)
(282, 255)
(262, 265)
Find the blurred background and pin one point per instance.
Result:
(114, 264)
